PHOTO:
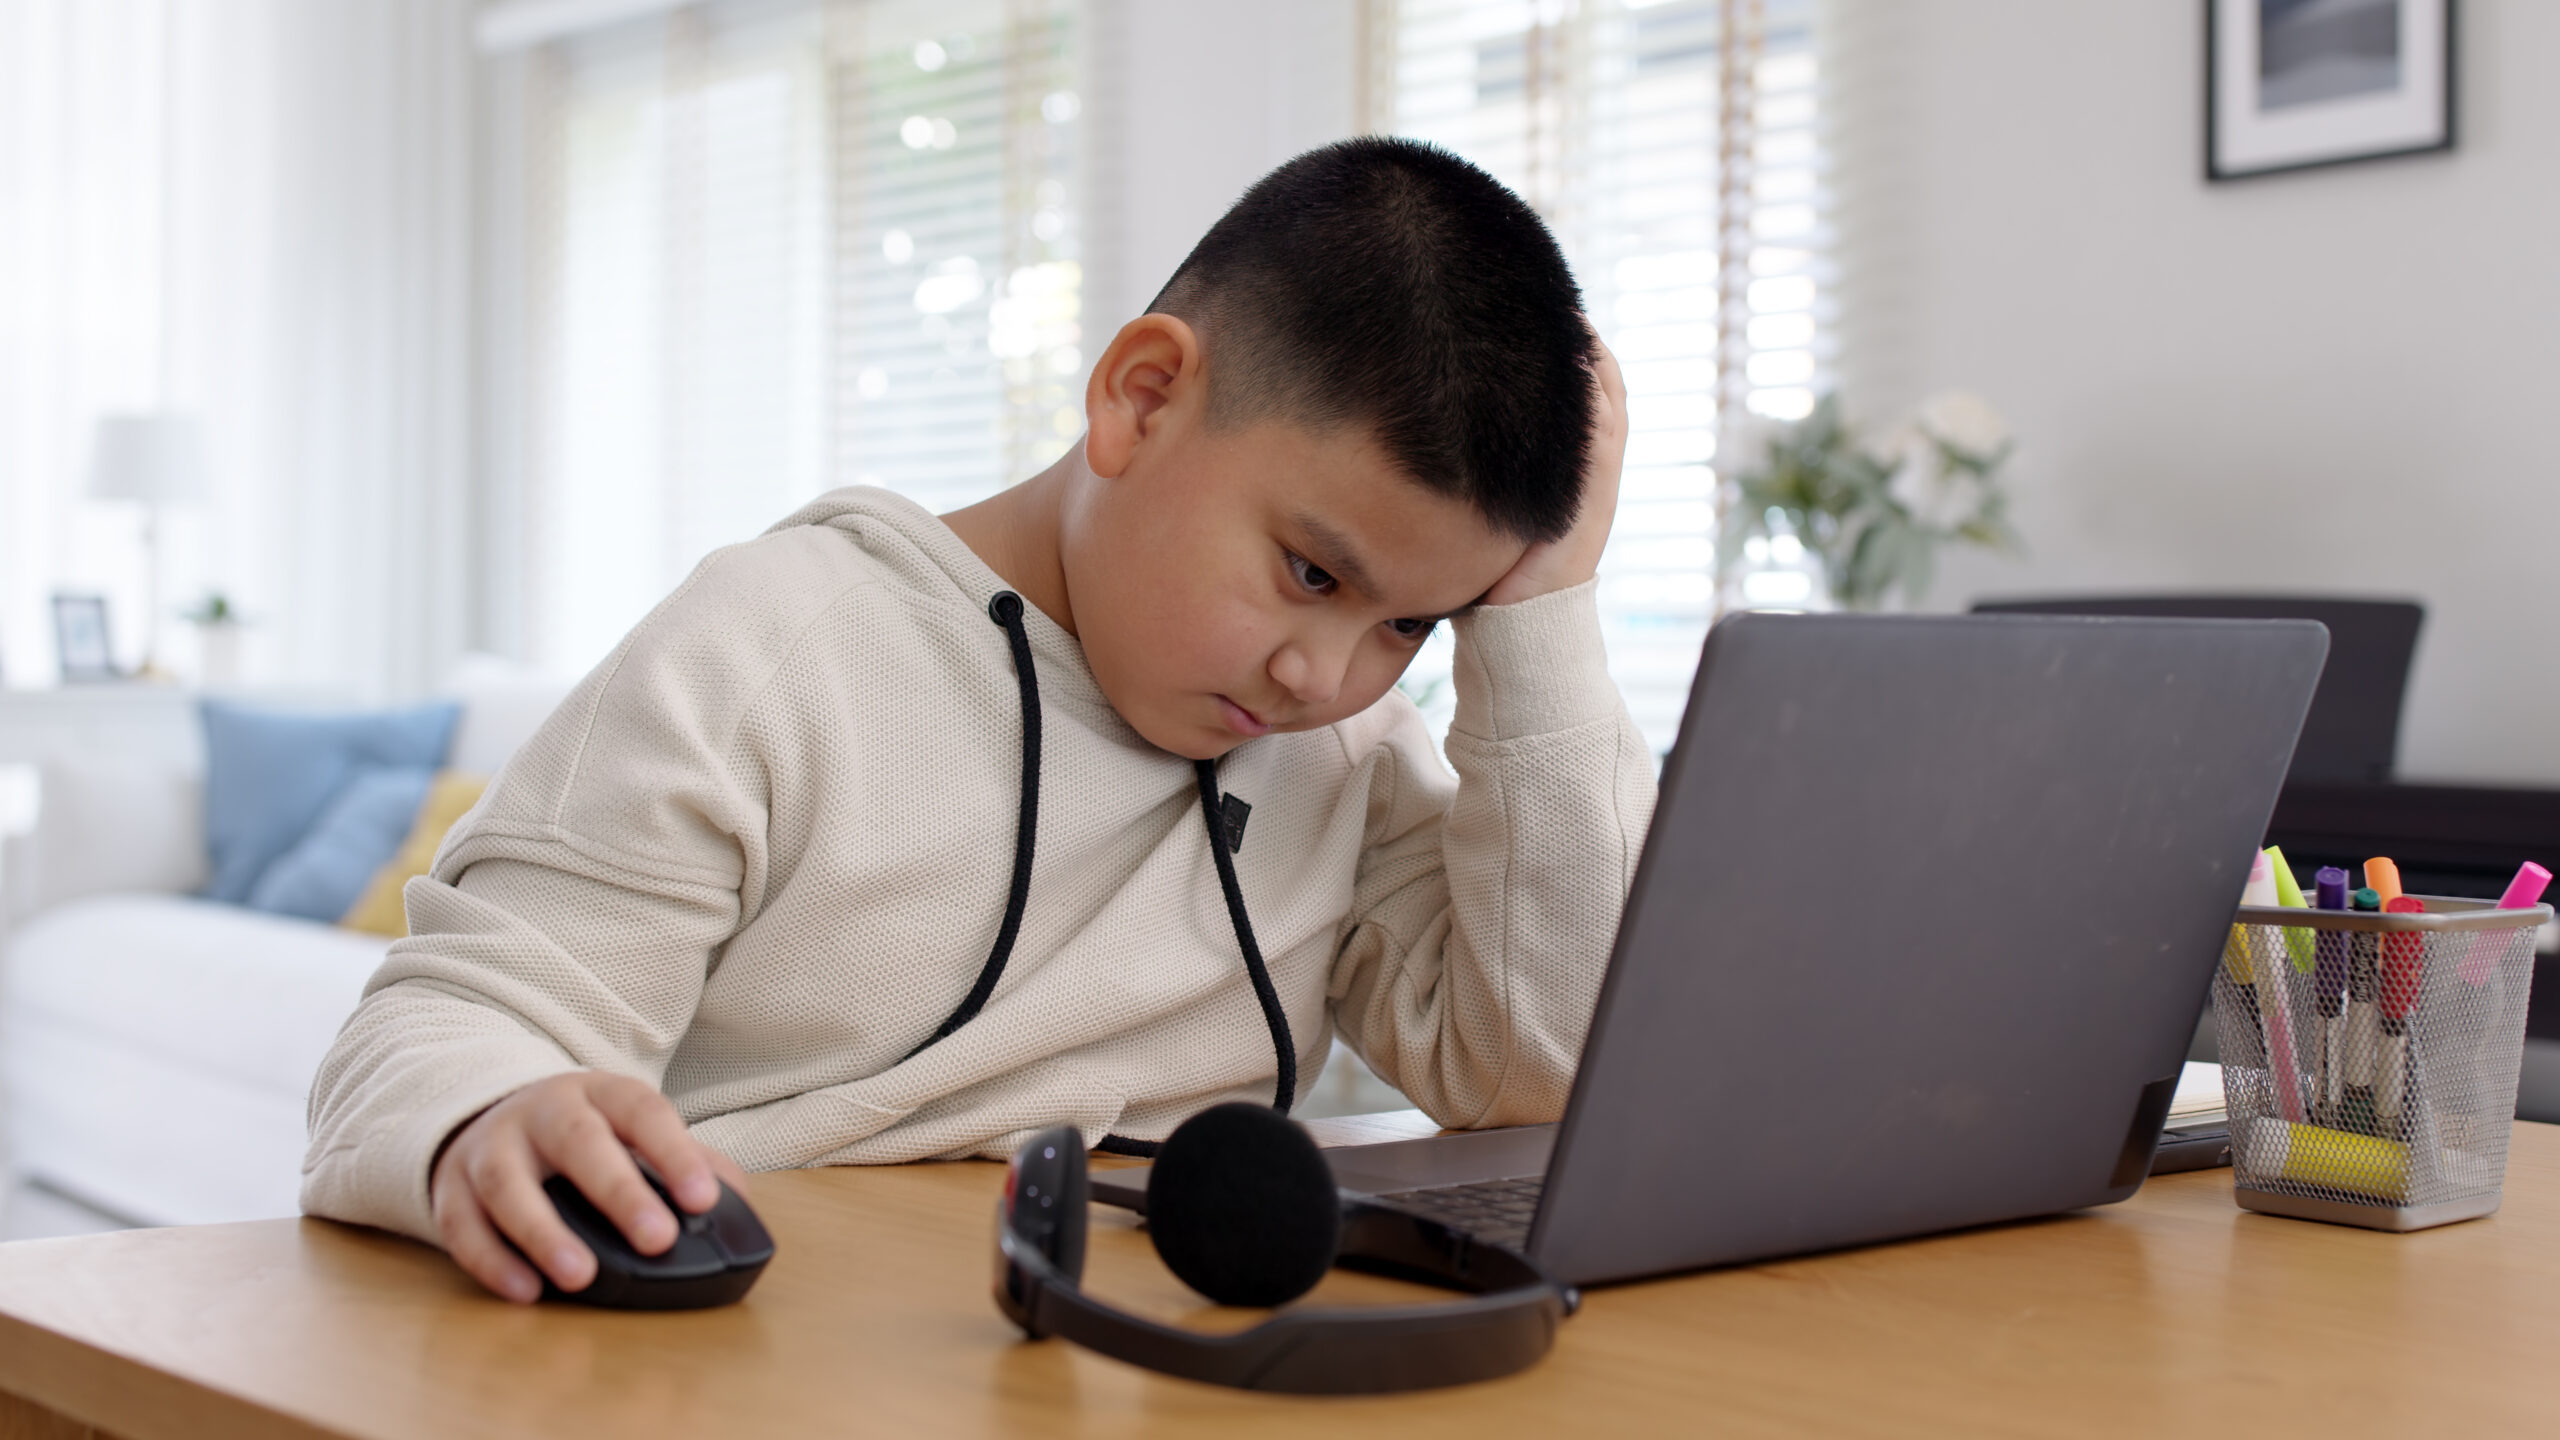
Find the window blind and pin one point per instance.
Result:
(1604, 114)
(959, 279)
(778, 246)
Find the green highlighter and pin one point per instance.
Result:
(2297, 940)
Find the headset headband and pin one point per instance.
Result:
(1506, 1325)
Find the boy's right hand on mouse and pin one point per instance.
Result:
(488, 1182)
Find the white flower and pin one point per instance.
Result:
(1963, 422)
(1937, 495)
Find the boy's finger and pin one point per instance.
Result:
(649, 1124)
(513, 1198)
(581, 1143)
(730, 1174)
(474, 1245)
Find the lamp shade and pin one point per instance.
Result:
(158, 458)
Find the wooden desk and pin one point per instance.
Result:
(2174, 1313)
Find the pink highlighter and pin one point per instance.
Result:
(2282, 1077)
(2523, 891)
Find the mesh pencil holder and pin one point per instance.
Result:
(2369, 1060)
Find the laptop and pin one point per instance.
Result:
(1926, 916)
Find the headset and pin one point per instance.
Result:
(1242, 1207)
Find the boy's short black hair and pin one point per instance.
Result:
(1390, 284)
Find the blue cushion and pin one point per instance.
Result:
(321, 876)
(269, 773)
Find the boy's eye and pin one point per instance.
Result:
(1315, 580)
(1411, 629)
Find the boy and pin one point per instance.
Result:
(888, 837)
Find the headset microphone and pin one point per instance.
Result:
(1243, 1209)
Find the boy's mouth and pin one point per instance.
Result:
(1242, 721)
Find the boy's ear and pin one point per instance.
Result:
(1154, 365)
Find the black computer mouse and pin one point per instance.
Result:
(716, 1258)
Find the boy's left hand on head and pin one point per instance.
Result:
(1574, 557)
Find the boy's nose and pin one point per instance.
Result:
(1311, 671)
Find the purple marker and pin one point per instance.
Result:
(2329, 998)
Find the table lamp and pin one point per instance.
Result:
(157, 459)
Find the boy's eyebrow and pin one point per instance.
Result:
(1343, 558)
(1340, 555)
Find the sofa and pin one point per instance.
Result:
(157, 1048)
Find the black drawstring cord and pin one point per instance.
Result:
(1006, 610)
(1283, 1046)
(1286, 1093)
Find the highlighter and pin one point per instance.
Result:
(2242, 972)
(2382, 876)
(2403, 977)
(2297, 942)
(2526, 889)
(2331, 1159)
(2523, 892)
(2283, 1074)
(2235, 951)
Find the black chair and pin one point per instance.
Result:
(2352, 735)
(2339, 804)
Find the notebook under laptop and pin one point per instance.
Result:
(1924, 922)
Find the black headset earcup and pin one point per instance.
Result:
(1242, 1206)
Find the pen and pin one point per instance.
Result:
(2364, 1021)
(2289, 895)
(2523, 892)
(2403, 979)
(2329, 998)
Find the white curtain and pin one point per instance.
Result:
(259, 212)
(745, 251)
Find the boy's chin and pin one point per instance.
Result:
(1187, 736)
(1195, 742)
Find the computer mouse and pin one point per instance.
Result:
(716, 1258)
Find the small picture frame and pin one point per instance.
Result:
(2295, 84)
(82, 640)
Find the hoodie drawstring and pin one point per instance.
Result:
(1006, 610)
(1277, 1019)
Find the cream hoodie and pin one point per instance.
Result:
(763, 850)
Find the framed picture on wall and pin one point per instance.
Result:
(2290, 84)
(81, 638)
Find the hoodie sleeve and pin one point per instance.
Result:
(571, 920)
(1483, 913)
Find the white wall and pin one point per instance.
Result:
(2338, 380)
(1195, 100)
(258, 212)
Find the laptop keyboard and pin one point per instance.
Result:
(1495, 1210)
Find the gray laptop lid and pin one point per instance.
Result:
(1923, 925)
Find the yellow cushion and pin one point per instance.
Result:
(378, 910)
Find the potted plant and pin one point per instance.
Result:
(218, 626)
(1874, 515)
